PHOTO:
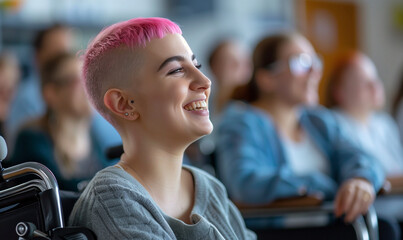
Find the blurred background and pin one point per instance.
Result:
(373, 26)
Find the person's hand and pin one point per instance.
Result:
(354, 198)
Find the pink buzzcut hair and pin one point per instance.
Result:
(129, 34)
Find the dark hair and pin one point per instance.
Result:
(265, 53)
(40, 37)
(52, 66)
(398, 98)
(216, 49)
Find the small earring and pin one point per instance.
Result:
(126, 114)
(131, 101)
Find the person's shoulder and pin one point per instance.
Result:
(238, 112)
(384, 121)
(33, 135)
(319, 110)
(113, 180)
(320, 114)
(384, 117)
(35, 127)
(239, 108)
(115, 204)
(112, 191)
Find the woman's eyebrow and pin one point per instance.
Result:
(172, 59)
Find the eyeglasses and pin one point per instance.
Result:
(300, 64)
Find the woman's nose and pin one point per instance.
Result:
(200, 82)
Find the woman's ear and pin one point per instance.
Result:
(265, 81)
(119, 104)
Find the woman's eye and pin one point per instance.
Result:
(177, 70)
(198, 66)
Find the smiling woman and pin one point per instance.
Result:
(142, 76)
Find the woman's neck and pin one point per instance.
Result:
(284, 116)
(70, 127)
(160, 171)
(71, 136)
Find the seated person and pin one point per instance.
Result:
(61, 139)
(356, 94)
(9, 78)
(28, 102)
(275, 144)
(231, 67)
(142, 76)
(397, 106)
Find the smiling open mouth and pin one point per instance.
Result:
(196, 106)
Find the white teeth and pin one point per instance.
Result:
(194, 106)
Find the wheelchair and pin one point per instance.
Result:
(31, 206)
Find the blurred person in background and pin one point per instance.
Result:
(29, 104)
(356, 95)
(231, 67)
(397, 107)
(9, 78)
(277, 144)
(62, 139)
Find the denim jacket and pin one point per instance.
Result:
(252, 163)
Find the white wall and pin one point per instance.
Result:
(246, 20)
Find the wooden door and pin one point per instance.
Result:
(332, 28)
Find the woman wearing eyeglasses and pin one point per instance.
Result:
(276, 144)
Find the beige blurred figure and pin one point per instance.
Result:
(9, 78)
(28, 103)
(231, 66)
(357, 97)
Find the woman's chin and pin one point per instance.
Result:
(203, 130)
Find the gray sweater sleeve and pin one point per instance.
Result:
(114, 211)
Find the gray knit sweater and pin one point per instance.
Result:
(116, 206)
